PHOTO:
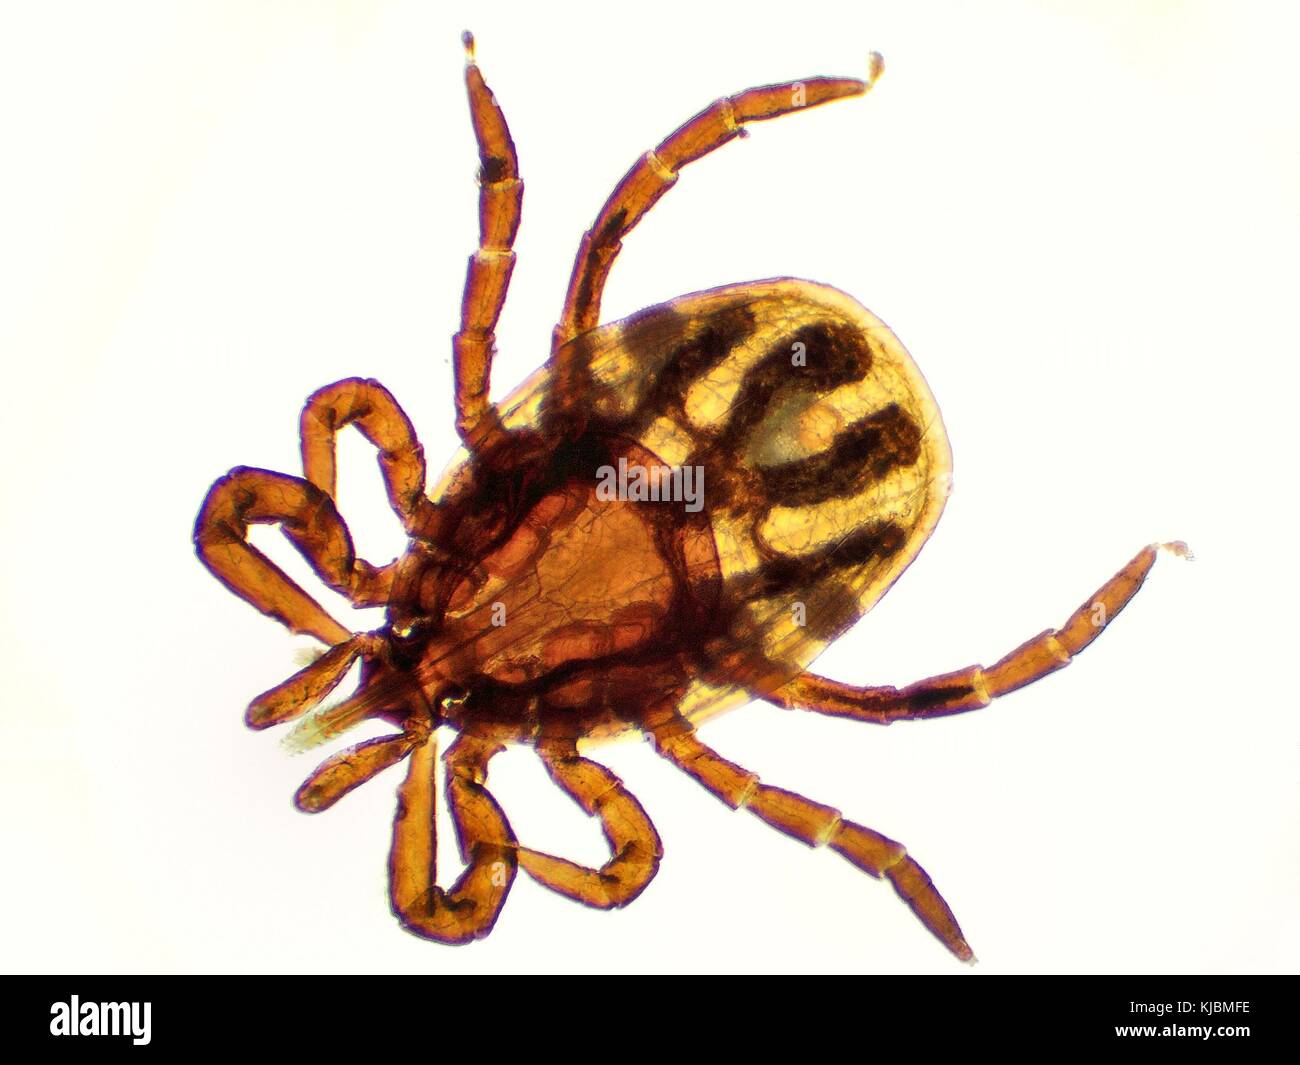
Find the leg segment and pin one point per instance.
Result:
(975, 687)
(815, 825)
(501, 195)
(307, 517)
(633, 841)
(372, 409)
(487, 844)
(306, 688)
(349, 769)
(656, 172)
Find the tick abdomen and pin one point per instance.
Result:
(823, 464)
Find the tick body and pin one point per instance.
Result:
(674, 516)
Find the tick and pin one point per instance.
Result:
(674, 516)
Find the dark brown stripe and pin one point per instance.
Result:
(863, 453)
(830, 605)
(781, 573)
(931, 699)
(493, 169)
(598, 249)
(833, 354)
(694, 349)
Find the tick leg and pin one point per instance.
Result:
(975, 686)
(306, 688)
(656, 172)
(306, 515)
(372, 409)
(349, 769)
(815, 825)
(633, 841)
(487, 843)
(500, 201)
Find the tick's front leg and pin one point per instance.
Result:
(306, 515)
(379, 418)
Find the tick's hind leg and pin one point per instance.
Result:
(501, 195)
(815, 825)
(633, 841)
(307, 516)
(656, 172)
(975, 687)
(487, 844)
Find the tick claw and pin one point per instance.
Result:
(875, 67)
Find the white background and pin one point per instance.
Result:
(1081, 220)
